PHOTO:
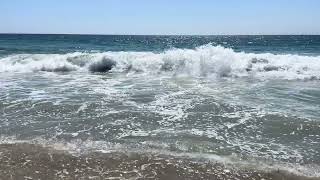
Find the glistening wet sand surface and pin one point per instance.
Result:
(28, 161)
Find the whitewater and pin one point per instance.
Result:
(205, 60)
(124, 107)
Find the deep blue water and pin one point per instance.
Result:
(45, 43)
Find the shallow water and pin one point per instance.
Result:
(25, 161)
(243, 104)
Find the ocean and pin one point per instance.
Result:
(159, 107)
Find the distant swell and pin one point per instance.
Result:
(206, 60)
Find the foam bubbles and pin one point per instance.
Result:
(205, 60)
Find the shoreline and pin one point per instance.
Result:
(31, 161)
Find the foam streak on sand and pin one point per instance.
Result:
(33, 161)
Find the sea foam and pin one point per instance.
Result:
(205, 60)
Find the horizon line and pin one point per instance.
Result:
(98, 34)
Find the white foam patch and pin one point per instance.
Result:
(206, 60)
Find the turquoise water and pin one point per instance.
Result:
(244, 99)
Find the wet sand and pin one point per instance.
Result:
(28, 161)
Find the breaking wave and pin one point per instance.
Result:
(205, 60)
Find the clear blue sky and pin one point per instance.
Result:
(160, 16)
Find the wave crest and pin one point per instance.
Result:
(206, 60)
